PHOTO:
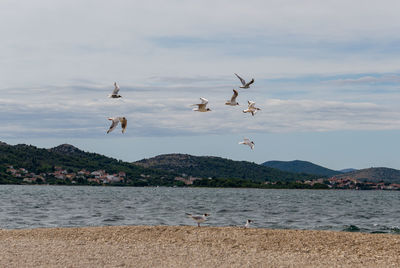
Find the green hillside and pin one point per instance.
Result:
(160, 170)
(37, 160)
(217, 167)
(379, 174)
(298, 166)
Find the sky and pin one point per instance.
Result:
(327, 78)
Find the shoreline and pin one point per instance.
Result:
(183, 246)
(198, 187)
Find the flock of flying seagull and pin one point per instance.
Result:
(201, 107)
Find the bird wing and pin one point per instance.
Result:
(254, 110)
(114, 124)
(249, 83)
(241, 79)
(251, 104)
(195, 217)
(116, 89)
(124, 122)
(202, 106)
(235, 94)
(204, 100)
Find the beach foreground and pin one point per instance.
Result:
(187, 246)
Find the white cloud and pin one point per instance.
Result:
(70, 111)
(56, 41)
(60, 58)
(369, 80)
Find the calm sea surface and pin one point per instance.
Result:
(64, 206)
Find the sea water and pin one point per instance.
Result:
(23, 206)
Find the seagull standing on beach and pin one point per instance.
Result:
(115, 94)
(115, 121)
(201, 107)
(251, 108)
(247, 225)
(244, 84)
(246, 141)
(198, 218)
(233, 101)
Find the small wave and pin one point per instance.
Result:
(77, 217)
(246, 210)
(352, 228)
(114, 219)
(222, 210)
(378, 232)
(395, 230)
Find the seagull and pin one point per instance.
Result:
(244, 84)
(233, 102)
(246, 141)
(251, 108)
(198, 218)
(115, 94)
(247, 225)
(115, 121)
(201, 107)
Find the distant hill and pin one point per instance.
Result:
(378, 174)
(347, 170)
(67, 149)
(40, 160)
(298, 166)
(160, 170)
(217, 167)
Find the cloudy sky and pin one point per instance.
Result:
(327, 78)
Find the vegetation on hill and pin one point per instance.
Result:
(42, 166)
(346, 170)
(298, 166)
(240, 183)
(379, 174)
(217, 167)
(66, 164)
(38, 161)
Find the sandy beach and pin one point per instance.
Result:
(187, 246)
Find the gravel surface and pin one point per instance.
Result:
(187, 246)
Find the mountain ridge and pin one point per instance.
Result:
(71, 158)
(218, 167)
(41, 160)
(164, 169)
(373, 174)
(300, 166)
